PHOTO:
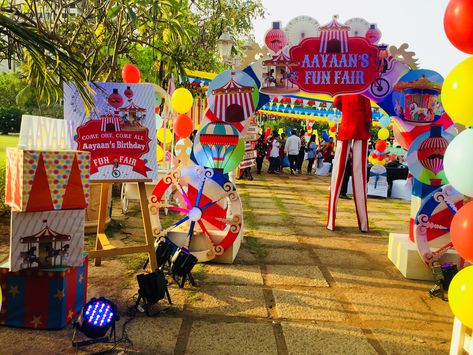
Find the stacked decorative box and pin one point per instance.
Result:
(45, 282)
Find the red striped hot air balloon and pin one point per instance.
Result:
(432, 150)
(276, 38)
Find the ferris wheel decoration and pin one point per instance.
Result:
(358, 27)
(432, 224)
(209, 208)
(301, 27)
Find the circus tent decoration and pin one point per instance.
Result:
(334, 37)
(233, 97)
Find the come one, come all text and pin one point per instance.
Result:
(346, 63)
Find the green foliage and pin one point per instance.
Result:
(10, 86)
(162, 37)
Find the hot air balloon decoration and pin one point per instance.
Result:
(425, 156)
(373, 35)
(432, 150)
(218, 145)
(276, 38)
(128, 93)
(115, 99)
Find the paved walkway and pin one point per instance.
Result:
(295, 287)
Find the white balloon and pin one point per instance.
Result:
(457, 162)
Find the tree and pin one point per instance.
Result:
(57, 44)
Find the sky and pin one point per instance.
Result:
(416, 22)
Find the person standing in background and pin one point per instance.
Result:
(300, 159)
(311, 153)
(261, 147)
(282, 154)
(274, 154)
(328, 151)
(293, 146)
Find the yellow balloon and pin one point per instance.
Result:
(181, 100)
(457, 92)
(160, 134)
(280, 131)
(383, 134)
(460, 295)
(159, 153)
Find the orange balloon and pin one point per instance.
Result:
(461, 231)
(131, 74)
(183, 126)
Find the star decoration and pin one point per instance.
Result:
(13, 290)
(70, 314)
(36, 321)
(60, 294)
(81, 278)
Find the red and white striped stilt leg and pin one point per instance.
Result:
(359, 181)
(338, 169)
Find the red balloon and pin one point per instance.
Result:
(381, 146)
(461, 231)
(130, 74)
(183, 126)
(333, 129)
(374, 155)
(458, 24)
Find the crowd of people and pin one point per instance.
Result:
(291, 152)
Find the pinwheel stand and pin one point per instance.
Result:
(103, 247)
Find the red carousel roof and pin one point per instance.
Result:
(132, 108)
(280, 59)
(232, 87)
(46, 235)
(334, 26)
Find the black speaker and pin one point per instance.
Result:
(164, 250)
(153, 287)
(183, 263)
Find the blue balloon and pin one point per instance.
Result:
(385, 121)
(288, 131)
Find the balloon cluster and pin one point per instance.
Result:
(379, 155)
(457, 92)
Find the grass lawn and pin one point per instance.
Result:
(5, 142)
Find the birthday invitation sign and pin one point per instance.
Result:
(119, 132)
